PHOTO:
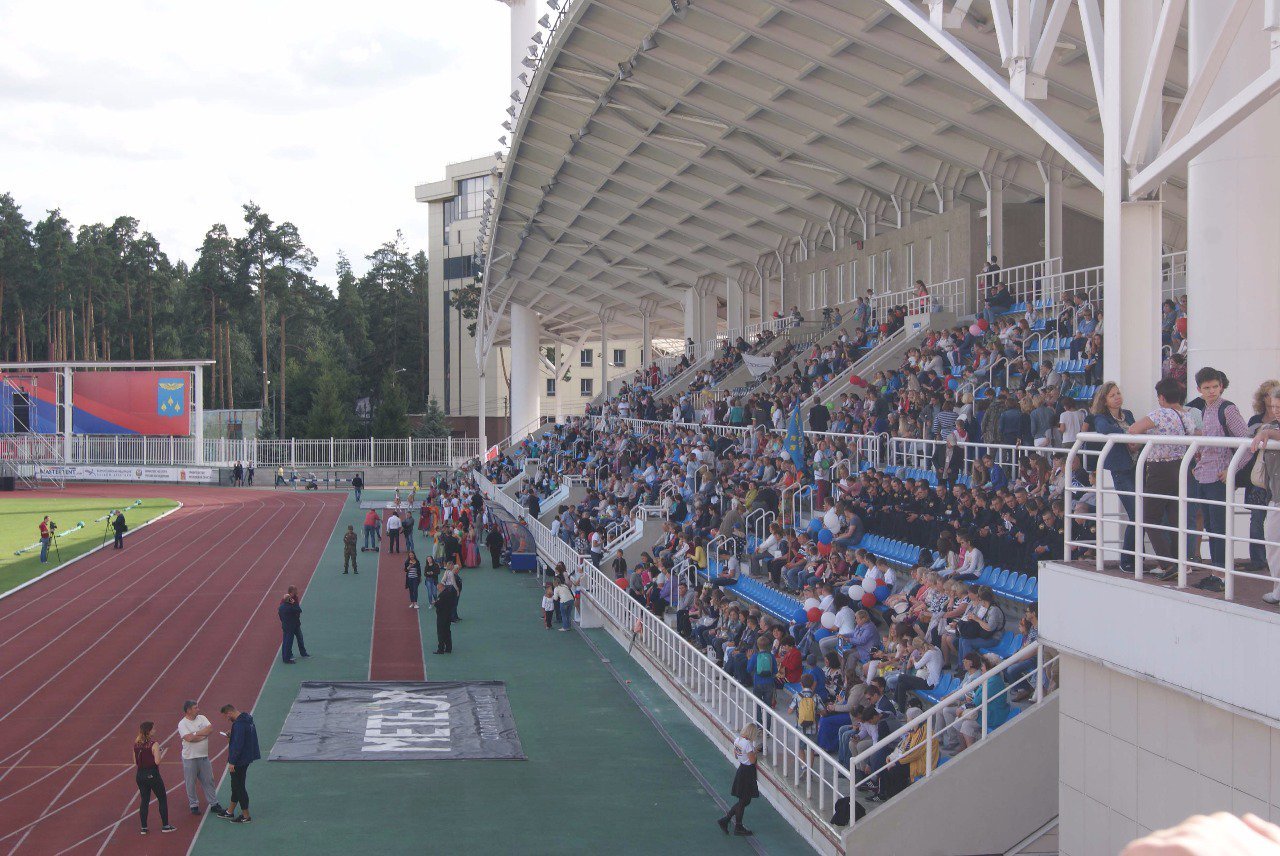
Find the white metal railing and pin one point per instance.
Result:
(772, 325)
(1173, 275)
(30, 457)
(1083, 282)
(1100, 517)
(134, 450)
(921, 454)
(1024, 281)
(756, 523)
(1034, 680)
(948, 296)
(841, 381)
(791, 757)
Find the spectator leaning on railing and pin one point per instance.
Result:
(1269, 462)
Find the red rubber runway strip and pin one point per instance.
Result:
(186, 610)
(397, 636)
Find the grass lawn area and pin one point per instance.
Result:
(20, 527)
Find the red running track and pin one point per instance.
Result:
(186, 610)
(396, 654)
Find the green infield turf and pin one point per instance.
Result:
(20, 524)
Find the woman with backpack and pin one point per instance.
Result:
(1221, 419)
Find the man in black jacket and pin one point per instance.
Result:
(495, 542)
(290, 613)
(819, 416)
(120, 528)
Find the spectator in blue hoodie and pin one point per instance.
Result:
(242, 752)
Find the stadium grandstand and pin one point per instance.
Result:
(942, 511)
(962, 286)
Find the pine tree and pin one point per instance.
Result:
(332, 408)
(433, 421)
(391, 416)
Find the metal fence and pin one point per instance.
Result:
(881, 451)
(129, 450)
(1024, 281)
(787, 754)
(1166, 522)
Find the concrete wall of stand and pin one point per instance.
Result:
(1024, 237)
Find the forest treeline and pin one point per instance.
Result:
(283, 341)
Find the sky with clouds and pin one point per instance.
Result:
(324, 113)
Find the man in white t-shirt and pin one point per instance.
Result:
(194, 730)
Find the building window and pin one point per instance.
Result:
(470, 199)
(458, 267)
(551, 387)
(586, 387)
(619, 357)
(585, 356)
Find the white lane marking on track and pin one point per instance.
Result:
(123, 619)
(161, 674)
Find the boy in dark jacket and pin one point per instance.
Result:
(242, 752)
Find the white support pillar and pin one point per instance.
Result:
(648, 306)
(994, 186)
(68, 410)
(1131, 230)
(196, 409)
(764, 292)
(606, 358)
(692, 311)
(1233, 216)
(1052, 178)
(482, 411)
(710, 313)
(736, 303)
(526, 336)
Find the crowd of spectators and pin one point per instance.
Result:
(873, 633)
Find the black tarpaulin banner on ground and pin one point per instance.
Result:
(399, 721)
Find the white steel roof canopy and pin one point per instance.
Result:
(663, 141)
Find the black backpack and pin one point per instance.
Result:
(840, 817)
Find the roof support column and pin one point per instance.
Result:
(692, 325)
(1131, 230)
(994, 185)
(648, 306)
(710, 314)
(1052, 177)
(764, 292)
(526, 336)
(736, 303)
(1232, 217)
(606, 358)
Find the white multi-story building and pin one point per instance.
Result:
(570, 373)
